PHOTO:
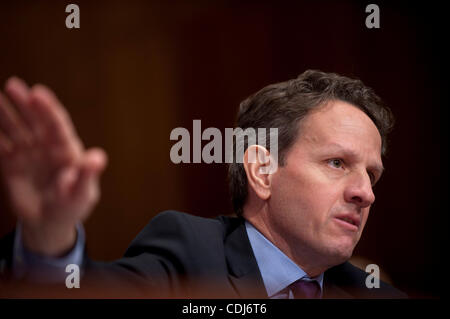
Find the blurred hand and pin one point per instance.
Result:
(51, 179)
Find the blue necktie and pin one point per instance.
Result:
(303, 289)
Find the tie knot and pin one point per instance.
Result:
(304, 289)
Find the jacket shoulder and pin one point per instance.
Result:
(181, 226)
(182, 239)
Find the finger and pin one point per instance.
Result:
(66, 180)
(11, 124)
(5, 145)
(54, 121)
(86, 191)
(19, 93)
(77, 181)
(95, 159)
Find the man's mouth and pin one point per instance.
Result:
(350, 222)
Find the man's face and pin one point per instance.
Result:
(320, 198)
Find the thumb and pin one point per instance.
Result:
(95, 160)
(86, 188)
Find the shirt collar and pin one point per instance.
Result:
(278, 271)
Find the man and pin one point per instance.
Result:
(296, 227)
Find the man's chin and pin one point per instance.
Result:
(340, 253)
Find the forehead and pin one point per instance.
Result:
(343, 124)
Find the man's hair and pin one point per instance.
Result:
(283, 105)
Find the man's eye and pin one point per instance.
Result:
(335, 162)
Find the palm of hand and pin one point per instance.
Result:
(52, 181)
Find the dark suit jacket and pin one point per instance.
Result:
(180, 255)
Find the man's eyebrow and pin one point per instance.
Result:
(379, 168)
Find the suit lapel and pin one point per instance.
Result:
(336, 282)
(333, 291)
(243, 273)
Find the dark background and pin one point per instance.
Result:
(137, 69)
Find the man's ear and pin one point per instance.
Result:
(257, 161)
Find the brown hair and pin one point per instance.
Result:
(283, 105)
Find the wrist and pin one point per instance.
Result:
(49, 240)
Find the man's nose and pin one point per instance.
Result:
(359, 190)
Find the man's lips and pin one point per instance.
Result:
(350, 221)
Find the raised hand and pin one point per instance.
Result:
(52, 181)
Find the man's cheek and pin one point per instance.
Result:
(365, 217)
